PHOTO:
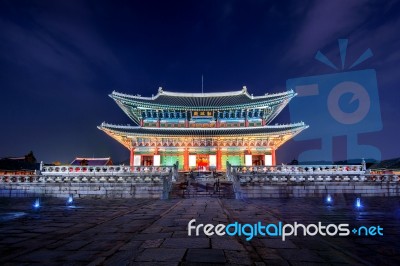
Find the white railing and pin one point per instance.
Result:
(260, 175)
(101, 170)
(232, 176)
(243, 179)
(296, 169)
(247, 179)
(141, 178)
(99, 174)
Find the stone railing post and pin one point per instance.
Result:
(167, 180)
(232, 176)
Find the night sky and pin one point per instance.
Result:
(59, 60)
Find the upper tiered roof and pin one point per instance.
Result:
(202, 101)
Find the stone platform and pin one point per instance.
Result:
(158, 190)
(150, 190)
(154, 232)
(317, 189)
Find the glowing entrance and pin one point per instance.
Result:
(202, 162)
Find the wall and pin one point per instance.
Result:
(319, 189)
(80, 190)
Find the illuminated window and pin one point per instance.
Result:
(212, 160)
(268, 160)
(192, 161)
(248, 159)
(156, 160)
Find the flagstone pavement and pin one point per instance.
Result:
(154, 232)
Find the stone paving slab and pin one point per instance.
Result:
(162, 254)
(275, 243)
(206, 255)
(187, 242)
(154, 232)
(226, 244)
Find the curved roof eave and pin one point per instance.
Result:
(210, 132)
(257, 101)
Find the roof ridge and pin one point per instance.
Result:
(92, 158)
(200, 94)
(162, 92)
(282, 93)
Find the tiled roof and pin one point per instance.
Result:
(202, 100)
(91, 161)
(237, 131)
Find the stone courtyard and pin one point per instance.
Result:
(154, 232)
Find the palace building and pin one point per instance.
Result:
(202, 130)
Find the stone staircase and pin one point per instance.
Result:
(201, 188)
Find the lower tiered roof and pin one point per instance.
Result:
(208, 132)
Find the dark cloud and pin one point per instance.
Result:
(324, 22)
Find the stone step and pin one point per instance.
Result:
(191, 191)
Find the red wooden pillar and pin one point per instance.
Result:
(219, 159)
(132, 156)
(273, 157)
(186, 159)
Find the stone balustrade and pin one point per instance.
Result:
(140, 185)
(138, 178)
(100, 170)
(311, 182)
(244, 175)
(88, 181)
(260, 179)
(296, 169)
(244, 179)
